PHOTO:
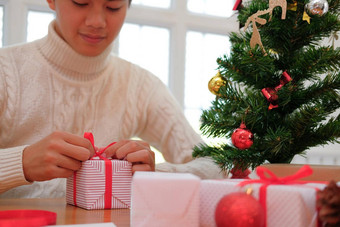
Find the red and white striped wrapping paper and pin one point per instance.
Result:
(90, 185)
(287, 205)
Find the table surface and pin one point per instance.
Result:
(68, 214)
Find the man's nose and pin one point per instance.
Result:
(96, 18)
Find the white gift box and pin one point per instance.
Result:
(165, 199)
(88, 188)
(287, 205)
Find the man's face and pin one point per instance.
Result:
(89, 26)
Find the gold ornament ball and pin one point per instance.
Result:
(215, 83)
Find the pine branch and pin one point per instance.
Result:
(325, 133)
(326, 89)
(227, 156)
(311, 62)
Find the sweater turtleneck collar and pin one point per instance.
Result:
(67, 61)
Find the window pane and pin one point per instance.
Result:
(37, 24)
(1, 24)
(221, 8)
(153, 3)
(146, 46)
(202, 51)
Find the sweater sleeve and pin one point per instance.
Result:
(166, 127)
(205, 168)
(11, 171)
(168, 130)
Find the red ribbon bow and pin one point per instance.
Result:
(272, 179)
(271, 93)
(108, 172)
(99, 152)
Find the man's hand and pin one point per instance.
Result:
(137, 152)
(55, 156)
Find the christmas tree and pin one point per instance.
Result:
(277, 92)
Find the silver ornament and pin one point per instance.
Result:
(316, 7)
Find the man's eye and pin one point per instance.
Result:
(113, 9)
(79, 4)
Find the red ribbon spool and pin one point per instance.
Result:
(27, 218)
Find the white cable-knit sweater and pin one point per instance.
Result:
(46, 86)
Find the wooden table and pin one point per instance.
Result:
(67, 214)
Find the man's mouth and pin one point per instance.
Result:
(93, 39)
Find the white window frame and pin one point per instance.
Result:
(178, 20)
(15, 18)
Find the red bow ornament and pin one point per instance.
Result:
(271, 93)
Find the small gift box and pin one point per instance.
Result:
(100, 183)
(96, 187)
(286, 201)
(165, 199)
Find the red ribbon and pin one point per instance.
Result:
(271, 93)
(272, 179)
(108, 173)
(27, 218)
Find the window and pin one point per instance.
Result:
(153, 3)
(37, 24)
(194, 35)
(211, 7)
(147, 46)
(202, 50)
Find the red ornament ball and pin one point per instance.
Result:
(242, 138)
(239, 210)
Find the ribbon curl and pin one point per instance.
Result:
(100, 151)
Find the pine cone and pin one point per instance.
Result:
(328, 203)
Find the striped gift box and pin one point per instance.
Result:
(88, 188)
